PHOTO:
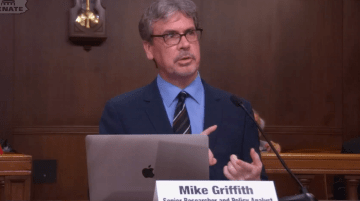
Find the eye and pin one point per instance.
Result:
(191, 33)
(171, 35)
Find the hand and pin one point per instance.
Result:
(240, 170)
(212, 160)
(276, 146)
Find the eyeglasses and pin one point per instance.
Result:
(174, 38)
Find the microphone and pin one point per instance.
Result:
(305, 196)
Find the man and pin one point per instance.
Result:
(170, 32)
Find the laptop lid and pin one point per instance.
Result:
(125, 167)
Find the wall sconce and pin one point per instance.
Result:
(87, 23)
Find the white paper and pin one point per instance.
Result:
(215, 190)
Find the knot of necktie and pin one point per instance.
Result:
(182, 96)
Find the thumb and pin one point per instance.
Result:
(255, 157)
(212, 160)
(209, 130)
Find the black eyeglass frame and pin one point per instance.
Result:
(181, 35)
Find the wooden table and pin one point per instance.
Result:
(15, 176)
(307, 165)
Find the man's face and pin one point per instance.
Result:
(179, 61)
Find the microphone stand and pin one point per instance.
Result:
(305, 196)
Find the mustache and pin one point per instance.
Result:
(184, 54)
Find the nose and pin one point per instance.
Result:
(184, 43)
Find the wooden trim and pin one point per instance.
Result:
(313, 163)
(315, 156)
(40, 130)
(303, 130)
(15, 157)
(15, 164)
(15, 172)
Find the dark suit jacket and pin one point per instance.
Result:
(142, 112)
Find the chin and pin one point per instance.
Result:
(186, 73)
(187, 70)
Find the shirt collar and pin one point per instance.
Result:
(169, 91)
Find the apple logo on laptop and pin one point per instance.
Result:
(148, 172)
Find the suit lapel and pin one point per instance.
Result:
(155, 109)
(213, 112)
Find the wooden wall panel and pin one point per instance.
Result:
(6, 75)
(310, 138)
(351, 69)
(70, 86)
(66, 145)
(283, 56)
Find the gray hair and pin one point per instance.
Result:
(163, 10)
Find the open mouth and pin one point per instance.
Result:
(185, 58)
(185, 61)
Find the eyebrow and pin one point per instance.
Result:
(174, 31)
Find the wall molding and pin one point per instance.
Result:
(42, 130)
(303, 130)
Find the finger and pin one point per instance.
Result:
(248, 168)
(227, 173)
(234, 161)
(212, 160)
(209, 130)
(232, 170)
(255, 158)
(244, 166)
(278, 148)
(267, 147)
(249, 171)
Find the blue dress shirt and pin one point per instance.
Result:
(195, 103)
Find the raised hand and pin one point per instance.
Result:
(237, 169)
(212, 160)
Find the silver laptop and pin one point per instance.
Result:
(125, 167)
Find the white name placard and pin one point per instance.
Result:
(189, 190)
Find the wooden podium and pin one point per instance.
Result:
(15, 176)
(306, 165)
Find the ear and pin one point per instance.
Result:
(148, 50)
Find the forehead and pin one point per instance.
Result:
(177, 22)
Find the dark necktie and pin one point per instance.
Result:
(181, 122)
